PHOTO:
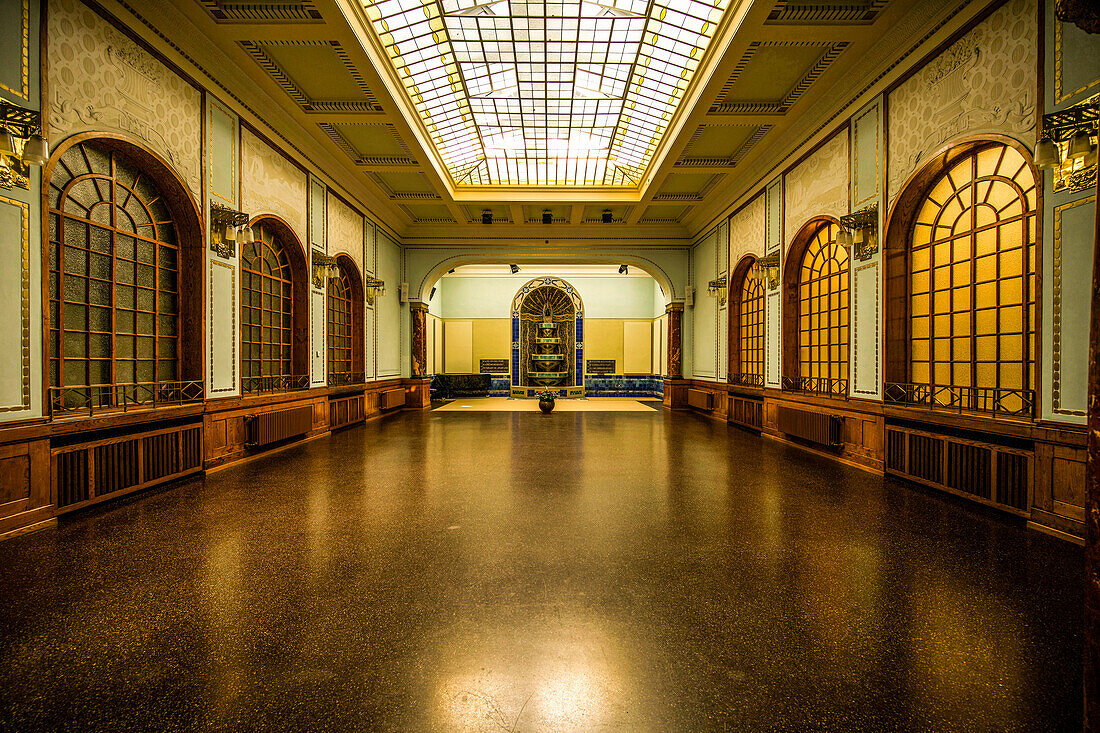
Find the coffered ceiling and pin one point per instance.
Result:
(770, 64)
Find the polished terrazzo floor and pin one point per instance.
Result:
(520, 572)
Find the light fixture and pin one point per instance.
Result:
(1072, 134)
(226, 230)
(432, 293)
(623, 270)
(514, 268)
(1047, 154)
(766, 269)
(21, 145)
(486, 216)
(324, 267)
(373, 286)
(859, 231)
(547, 217)
(606, 216)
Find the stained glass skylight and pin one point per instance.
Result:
(516, 92)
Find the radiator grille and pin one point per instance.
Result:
(392, 398)
(92, 470)
(993, 473)
(815, 427)
(271, 427)
(700, 399)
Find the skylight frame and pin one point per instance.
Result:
(476, 154)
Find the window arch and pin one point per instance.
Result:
(124, 272)
(967, 283)
(746, 364)
(344, 318)
(816, 325)
(273, 310)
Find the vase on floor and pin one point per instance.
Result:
(546, 404)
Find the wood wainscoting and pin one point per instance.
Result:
(746, 407)
(861, 425)
(49, 468)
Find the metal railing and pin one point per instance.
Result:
(274, 383)
(92, 399)
(341, 379)
(747, 380)
(988, 400)
(816, 385)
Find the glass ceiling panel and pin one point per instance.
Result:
(545, 93)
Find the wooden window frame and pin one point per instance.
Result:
(741, 339)
(351, 306)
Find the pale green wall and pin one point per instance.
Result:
(491, 296)
(391, 312)
(703, 315)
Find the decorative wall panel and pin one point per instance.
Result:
(317, 337)
(772, 335)
(984, 83)
(15, 305)
(389, 309)
(817, 185)
(223, 160)
(865, 334)
(747, 231)
(272, 184)
(704, 314)
(317, 214)
(101, 80)
(866, 156)
(222, 327)
(345, 231)
(15, 49)
(1074, 227)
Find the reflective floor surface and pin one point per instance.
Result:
(520, 572)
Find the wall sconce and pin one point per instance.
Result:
(324, 267)
(767, 269)
(21, 145)
(718, 287)
(859, 230)
(372, 286)
(228, 228)
(1068, 146)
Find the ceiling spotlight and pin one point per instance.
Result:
(606, 216)
(451, 271)
(622, 269)
(431, 294)
(514, 268)
(486, 216)
(547, 217)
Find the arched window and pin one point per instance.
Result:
(747, 325)
(272, 287)
(816, 322)
(345, 324)
(117, 271)
(971, 285)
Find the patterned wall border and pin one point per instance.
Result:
(1056, 387)
(829, 55)
(25, 61)
(856, 337)
(256, 51)
(233, 320)
(24, 305)
(216, 106)
(1059, 97)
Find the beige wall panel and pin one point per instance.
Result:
(603, 339)
(458, 347)
(492, 339)
(637, 347)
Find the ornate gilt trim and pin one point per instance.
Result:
(24, 305)
(1056, 387)
(856, 337)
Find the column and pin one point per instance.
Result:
(675, 386)
(1092, 506)
(419, 313)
